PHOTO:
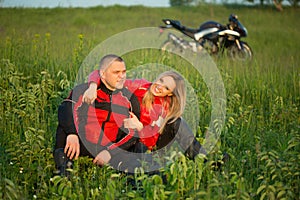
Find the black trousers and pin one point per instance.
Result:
(180, 132)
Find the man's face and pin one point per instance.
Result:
(114, 76)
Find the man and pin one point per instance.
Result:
(96, 130)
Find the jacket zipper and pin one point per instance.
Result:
(103, 124)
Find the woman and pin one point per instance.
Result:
(162, 104)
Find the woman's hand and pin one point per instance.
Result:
(72, 147)
(90, 94)
(102, 158)
(133, 122)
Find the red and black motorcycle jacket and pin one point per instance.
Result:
(100, 126)
(151, 119)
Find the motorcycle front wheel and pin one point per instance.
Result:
(243, 54)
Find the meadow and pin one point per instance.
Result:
(42, 50)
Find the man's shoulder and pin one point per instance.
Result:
(126, 92)
(81, 87)
(78, 90)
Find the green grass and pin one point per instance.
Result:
(42, 49)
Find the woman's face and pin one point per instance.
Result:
(163, 87)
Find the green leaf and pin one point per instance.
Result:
(280, 194)
(157, 179)
(272, 188)
(232, 196)
(56, 180)
(260, 189)
(114, 175)
(271, 196)
(131, 194)
(260, 178)
(262, 197)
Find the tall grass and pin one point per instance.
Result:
(42, 50)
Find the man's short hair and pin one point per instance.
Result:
(107, 60)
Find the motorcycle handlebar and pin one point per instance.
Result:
(164, 27)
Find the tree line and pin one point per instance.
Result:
(277, 3)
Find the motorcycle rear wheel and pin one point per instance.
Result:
(242, 55)
(209, 46)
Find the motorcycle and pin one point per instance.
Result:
(212, 36)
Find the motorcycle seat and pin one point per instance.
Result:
(210, 24)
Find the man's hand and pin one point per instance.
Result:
(102, 158)
(133, 122)
(90, 94)
(72, 147)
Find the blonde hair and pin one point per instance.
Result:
(176, 102)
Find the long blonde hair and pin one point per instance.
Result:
(176, 102)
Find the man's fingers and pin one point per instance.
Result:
(72, 153)
(77, 152)
(69, 152)
(86, 100)
(132, 115)
(97, 162)
(90, 101)
(66, 150)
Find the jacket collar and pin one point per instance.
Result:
(103, 87)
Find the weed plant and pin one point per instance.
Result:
(41, 53)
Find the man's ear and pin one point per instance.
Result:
(101, 73)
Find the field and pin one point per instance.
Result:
(41, 53)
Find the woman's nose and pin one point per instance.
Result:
(159, 86)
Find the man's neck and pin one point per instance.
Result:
(103, 86)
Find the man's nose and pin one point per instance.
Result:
(122, 74)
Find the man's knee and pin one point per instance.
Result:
(62, 162)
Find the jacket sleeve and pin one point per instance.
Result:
(133, 84)
(65, 110)
(65, 116)
(125, 143)
(94, 77)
